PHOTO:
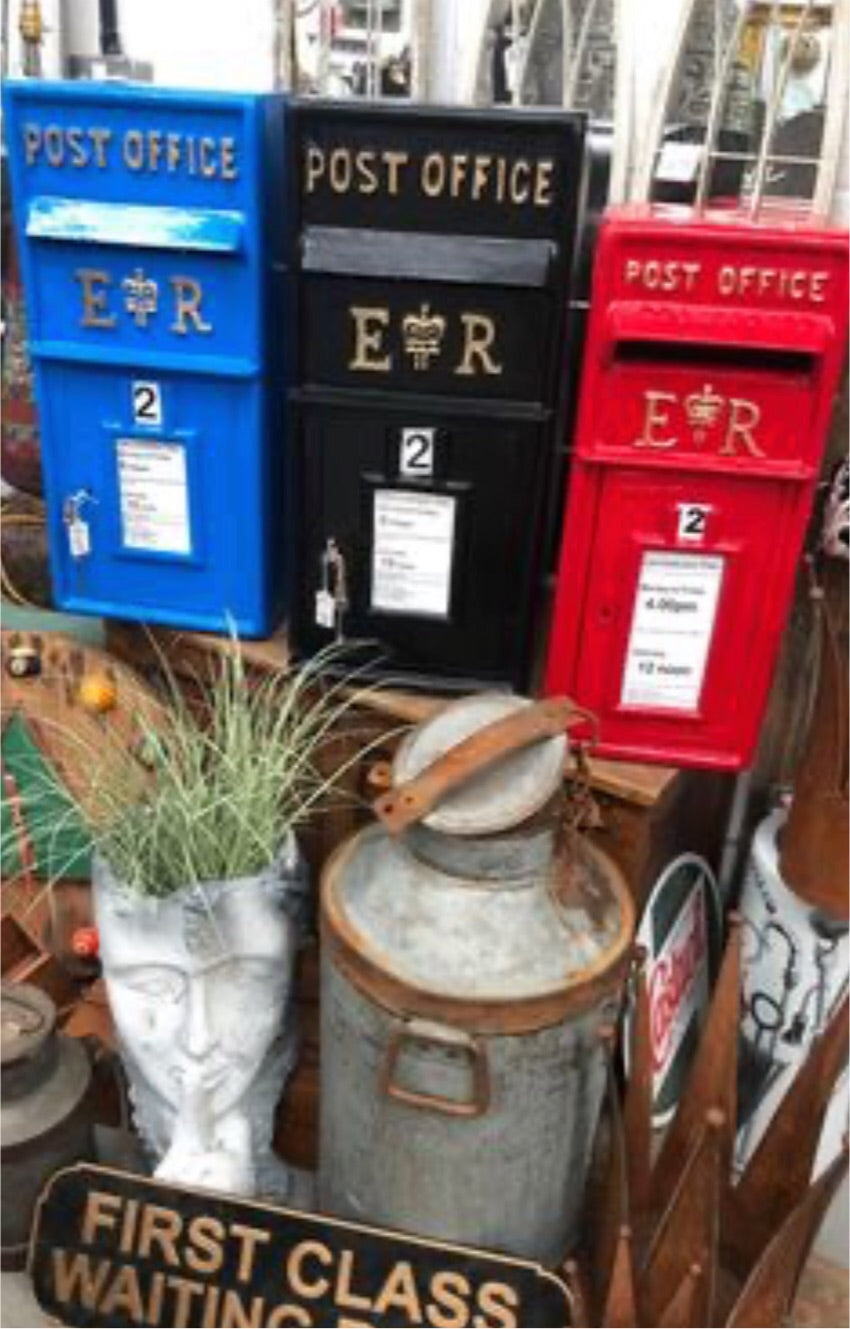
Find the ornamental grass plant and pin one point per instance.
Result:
(214, 788)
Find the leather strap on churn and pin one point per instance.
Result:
(814, 859)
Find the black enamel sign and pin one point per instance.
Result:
(113, 1249)
(434, 254)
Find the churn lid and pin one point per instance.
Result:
(508, 793)
(27, 1020)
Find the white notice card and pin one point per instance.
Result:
(412, 552)
(154, 496)
(672, 626)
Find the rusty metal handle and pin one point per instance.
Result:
(410, 802)
(425, 1032)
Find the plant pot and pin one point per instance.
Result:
(200, 985)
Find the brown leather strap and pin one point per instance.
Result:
(410, 802)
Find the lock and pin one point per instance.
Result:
(76, 525)
(332, 595)
(713, 354)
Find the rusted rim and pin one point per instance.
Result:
(372, 974)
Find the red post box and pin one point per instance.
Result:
(713, 355)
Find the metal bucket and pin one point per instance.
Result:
(45, 1122)
(467, 967)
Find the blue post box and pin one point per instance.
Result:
(152, 230)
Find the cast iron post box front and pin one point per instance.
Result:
(713, 357)
(435, 252)
(150, 289)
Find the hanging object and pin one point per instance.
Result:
(472, 952)
(139, 219)
(45, 1122)
(814, 855)
(795, 965)
(680, 932)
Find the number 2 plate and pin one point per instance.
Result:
(147, 403)
(416, 454)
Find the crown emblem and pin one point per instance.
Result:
(423, 336)
(141, 297)
(703, 410)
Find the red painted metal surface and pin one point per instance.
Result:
(713, 355)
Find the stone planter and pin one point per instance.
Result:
(200, 984)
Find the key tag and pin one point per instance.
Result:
(79, 531)
(325, 612)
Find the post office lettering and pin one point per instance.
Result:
(96, 147)
(465, 176)
(769, 285)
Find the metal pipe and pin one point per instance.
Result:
(571, 81)
(774, 106)
(717, 103)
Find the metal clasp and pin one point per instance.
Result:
(425, 1033)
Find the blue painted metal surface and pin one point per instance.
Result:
(152, 226)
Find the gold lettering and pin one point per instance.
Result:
(433, 174)
(154, 149)
(250, 1238)
(155, 1298)
(229, 169)
(101, 1208)
(459, 168)
(211, 1300)
(128, 1227)
(94, 300)
(520, 192)
(54, 145)
(343, 1295)
(816, 289)
(543, 184)
(79, 156)
(160, 1227)
(399, 1293)
(369, 322)
(743, 418)
(655, 418)
(283, 1315)
(498, 1302)
(726, 280)
(74, 1276)
(100, 138)
(315, 166)
(185, 1290)
(172, 151)
(479, 333)
(205, 1235)
(32, 142)
(124, 1294)
(368, 176)
(340, 179)
(318, 1287)
(233, 1313)
(394, 161)
(188, 294)
(480, 175)
(450, 1292)
(206, 154)
(134, 150)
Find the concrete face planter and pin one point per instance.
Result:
(199, 983)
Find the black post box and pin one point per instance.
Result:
(435, 254)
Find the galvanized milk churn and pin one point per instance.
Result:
(45, 1121)
(471, 951)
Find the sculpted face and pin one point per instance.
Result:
(197, 993)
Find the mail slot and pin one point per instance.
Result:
(435, 249)
(713, 357)
(151, 287)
